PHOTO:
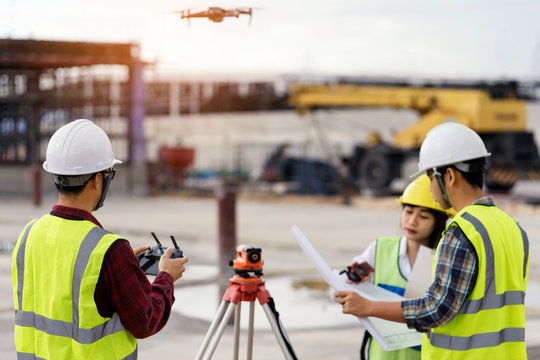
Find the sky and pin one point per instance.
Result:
(416, 38)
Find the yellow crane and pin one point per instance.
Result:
(495, 112)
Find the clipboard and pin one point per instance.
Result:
(390, 335)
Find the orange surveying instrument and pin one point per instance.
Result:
(246, 285)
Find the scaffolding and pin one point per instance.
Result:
(45, 84)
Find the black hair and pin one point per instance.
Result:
(475, 177)
(440, 224)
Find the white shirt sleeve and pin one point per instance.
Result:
(368, 256)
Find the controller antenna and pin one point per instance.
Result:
(174, 242)
(155, 238)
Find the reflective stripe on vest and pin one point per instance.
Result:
(27, 356)
(478, 340)
(20, 263)
(62, 328)
(490, 300)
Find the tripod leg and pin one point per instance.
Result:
(212, 329)
(219, 332)
(250, 331)
(279, 332)
(237, 312)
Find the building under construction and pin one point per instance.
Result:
(45, 84)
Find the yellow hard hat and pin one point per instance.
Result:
(417, 193)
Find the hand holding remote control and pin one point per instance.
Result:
(149, 261)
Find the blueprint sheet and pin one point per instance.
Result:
(390, 335)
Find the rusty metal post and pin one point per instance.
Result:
(226, 196)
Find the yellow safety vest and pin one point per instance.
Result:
(55, 269)
(491, 322)
(388, 275)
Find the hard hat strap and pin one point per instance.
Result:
(106, 182)
(471, 167)
(438, 176)
(70, 181)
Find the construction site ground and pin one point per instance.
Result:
(338, 231)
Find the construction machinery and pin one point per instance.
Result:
(497, 112)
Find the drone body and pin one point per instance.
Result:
(215, 14)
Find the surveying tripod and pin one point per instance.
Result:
(243, 287)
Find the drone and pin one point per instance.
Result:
(215, 14)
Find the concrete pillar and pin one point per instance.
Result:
(174, 99)
(137, 155)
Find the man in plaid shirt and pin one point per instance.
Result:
(475, 305)
(79, 291)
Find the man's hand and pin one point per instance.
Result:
(353, 303)
(175, 267)
(141, 249)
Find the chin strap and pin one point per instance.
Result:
(106, 182)
(438, 176)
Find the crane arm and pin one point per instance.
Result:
(472, 107)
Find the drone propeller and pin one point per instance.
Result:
(184, 14)
(249, 11)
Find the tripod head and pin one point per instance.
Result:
(248, 286)
(248, 262)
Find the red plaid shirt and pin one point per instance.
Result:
(123, 288)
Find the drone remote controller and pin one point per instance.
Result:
(149, 261)
(358, 272)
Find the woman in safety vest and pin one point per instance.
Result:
(392, 258)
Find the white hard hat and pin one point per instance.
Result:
(450, 143)
(78, 148)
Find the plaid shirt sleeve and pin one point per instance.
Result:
(123, 288)
(455, 276)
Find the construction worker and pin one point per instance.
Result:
(79, 292)
(475, 305)
(392, 258)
